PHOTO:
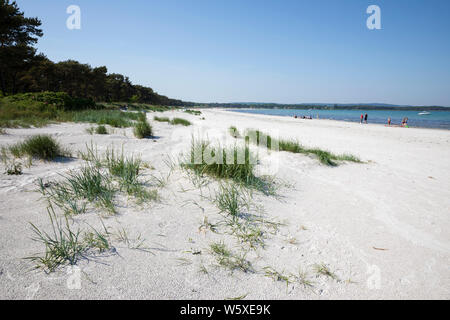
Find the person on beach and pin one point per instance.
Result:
(365, 118)
(361, 119)
(389, 121)
(405, 122)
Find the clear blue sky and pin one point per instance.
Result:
(264, 51)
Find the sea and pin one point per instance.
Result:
(436, 119)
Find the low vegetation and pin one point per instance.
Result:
(101, 130)
(161, 119)
(66, 245)
(194, 112)
(227, 259)
(97, 183)
(143, 129)
(266, 141)
(180, 121)
(42, 147)
(234, 132)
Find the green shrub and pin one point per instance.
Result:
(101, 130)
(143, 129)
(40, 146)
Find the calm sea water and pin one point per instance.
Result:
(437, 119)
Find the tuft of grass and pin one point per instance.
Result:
(143, 129)
(180, 121)
(236, 163)
(78, 188)
(194, 112)
(221, 162)
(325, 157)
(277, 276)
(64, 245)
(225, 258)
(234, 132)
(229, 200)
(101, 130)
(161, 119)
(13, 168)
(126, 170)
(42, 147)
(322, 269)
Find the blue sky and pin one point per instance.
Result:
(264, 51)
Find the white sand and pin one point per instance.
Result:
(399, 200)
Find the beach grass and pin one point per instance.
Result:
(43, 147)
(228, 260)
(114, 118)
(64, 244)
(143, 129)
(161, 119)
(180, 121)
(194, 112)
(101, 129)
(322, 269)
(266, 141)
(234, 132)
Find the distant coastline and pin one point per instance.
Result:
(255, 105)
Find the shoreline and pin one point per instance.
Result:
(354, 122)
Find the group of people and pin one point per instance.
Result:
(303, 117)
(404, 122)
(363, 118)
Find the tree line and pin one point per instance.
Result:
(23, 70)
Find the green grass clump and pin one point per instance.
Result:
(234, 132)
(325, 157)
(266, 141)
(236, 163)
(64, 245)
(225, 258)
(180, 121)
(78, 188)
(126, 170)
(161, 119)
(98, 182)
(229, 200)
(143, 129)
(228, 163)
(194, 112)
(13, 168)
(101, 130)
(42, 147)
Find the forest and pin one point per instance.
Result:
(23, 70)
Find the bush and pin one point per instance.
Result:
(143, 129)
(101, 130)
(41, 146)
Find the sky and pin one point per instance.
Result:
(290, 51)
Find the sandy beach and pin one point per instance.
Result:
(381, 226)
